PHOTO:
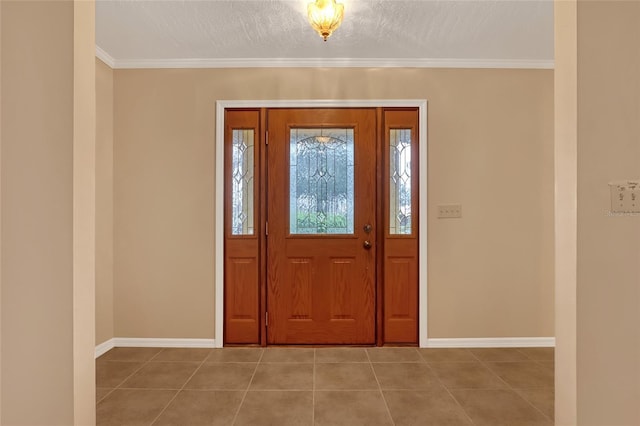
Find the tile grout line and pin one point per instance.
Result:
(179, 390)
(518, 393)
(511, 388)
(458, 402)
(119, 386)
(449, 390)
(485, 363)
(246, 391)
(144, 363)
(156, 355)
(531, 404)
(393, 422)
(539, 362)
(446, 388)
(105, 396)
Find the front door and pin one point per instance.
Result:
(321, 214)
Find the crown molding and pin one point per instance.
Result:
(105, 57)
(322, 63)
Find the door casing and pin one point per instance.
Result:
(219, 194)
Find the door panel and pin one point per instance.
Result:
(321, 194)
(242, 237)
(400, 258)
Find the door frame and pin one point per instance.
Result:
(221, 105)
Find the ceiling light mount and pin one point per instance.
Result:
(325, 16)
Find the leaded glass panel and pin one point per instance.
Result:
(321, 196)
(242, 161)
(400, 181)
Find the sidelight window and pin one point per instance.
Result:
(242, 179)
(400, 181)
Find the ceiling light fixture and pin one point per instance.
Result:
(325, 16)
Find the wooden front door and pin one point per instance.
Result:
(336, 190)
(321, 216)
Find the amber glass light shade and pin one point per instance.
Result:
(325, 16)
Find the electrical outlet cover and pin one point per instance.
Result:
(449, 211)
(625, 196)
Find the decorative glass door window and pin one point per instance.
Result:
(242, 196)
(400, 181)
(321, 181)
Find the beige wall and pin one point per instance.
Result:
(47, 289)
(490, 149)
(104, 202)
(597, 134)
(0, 213)
(84, 212)
(566, 178)
(37, 166)
(608, 266)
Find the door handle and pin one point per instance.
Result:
(367, 244)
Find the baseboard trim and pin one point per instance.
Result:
(104, 347)
(493, 342)
(128, 342)
(482, 342)
(163, 343)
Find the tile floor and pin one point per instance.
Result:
(325, 386)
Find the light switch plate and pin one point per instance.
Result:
(625, 196)
(449, 211)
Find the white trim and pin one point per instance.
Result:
(493, 342)
(105, 57)
(421, 104)
(218, 258)
(133, 342)
(422, 225)
(129, 342)
(318, 103)
(104, 347)
(329, 62)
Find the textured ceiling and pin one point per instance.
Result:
(131, 31)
